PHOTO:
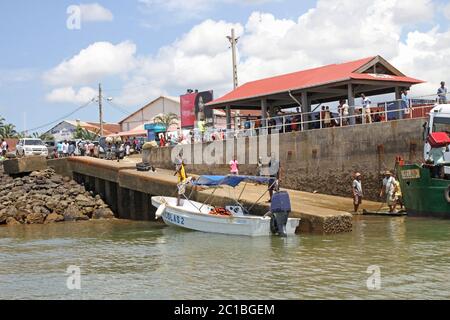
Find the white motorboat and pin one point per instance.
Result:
(229, 220)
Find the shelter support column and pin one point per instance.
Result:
(228, 113)
(263, 112)
(398, 94)
(306, 107)
(351, 103)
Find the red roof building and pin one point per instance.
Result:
(371, 76)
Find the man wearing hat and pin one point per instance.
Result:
(388, 190)
(357, 191)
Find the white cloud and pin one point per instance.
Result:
(331, 32)
(91, 64)
(95, 12)
(447, 11)
(70, 95)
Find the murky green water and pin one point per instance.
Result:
(144, 260)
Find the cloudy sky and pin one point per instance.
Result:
(51, 62)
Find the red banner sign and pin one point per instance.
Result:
(187, 105)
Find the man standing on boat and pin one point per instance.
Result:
(182, 177)
(357, 191)
(388, 190)
(275, 175)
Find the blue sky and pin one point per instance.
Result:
(36, 41)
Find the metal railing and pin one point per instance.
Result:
(316, 120)
(399, 109)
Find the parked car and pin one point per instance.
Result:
(31, 147)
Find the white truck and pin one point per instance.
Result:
(438, 121)
(31, 147)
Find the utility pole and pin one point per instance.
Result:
(100, 108)
(233, 41)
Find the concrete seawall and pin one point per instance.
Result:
(324, 160)
(128, 193)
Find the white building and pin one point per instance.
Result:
(163, 104)
(65, 129)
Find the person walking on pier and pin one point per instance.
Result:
(442, 93)
(65, 148)
(234, 166)
(357, 191)
(182, 177)
(4, 147)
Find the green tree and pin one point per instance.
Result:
(8, 131)
(83, 134)
(167, 120)
(43, 136)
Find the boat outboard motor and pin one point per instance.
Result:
(280, 208)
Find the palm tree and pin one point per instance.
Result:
(43, 136)
(84, 134)
(8, 131)
(167, 120)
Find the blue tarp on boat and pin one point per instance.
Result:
(229, 180)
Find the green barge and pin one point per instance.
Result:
(422, 194)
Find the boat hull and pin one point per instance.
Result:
(422, 195)
(189, 216)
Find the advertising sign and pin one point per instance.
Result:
(193, 108)
(187, 106)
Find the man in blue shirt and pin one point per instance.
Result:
(59, 148)
(404, 104)
(442, 93)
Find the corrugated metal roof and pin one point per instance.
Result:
(328, 74)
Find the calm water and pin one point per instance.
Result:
(144, 260)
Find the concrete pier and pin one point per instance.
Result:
(24, 165)
(128, 191)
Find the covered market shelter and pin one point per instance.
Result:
(371, 76)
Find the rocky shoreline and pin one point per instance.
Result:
(46, 197)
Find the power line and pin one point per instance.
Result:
(119, 108)
(59, 119)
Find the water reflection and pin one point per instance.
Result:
(146, 260)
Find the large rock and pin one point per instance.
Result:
(7, 213)
(12, 222)
(84, 201)
(35, 218)
(103, 213)
(3, 216)
(52, 204)
(54, 217)
(21, 215)
(73, 213)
